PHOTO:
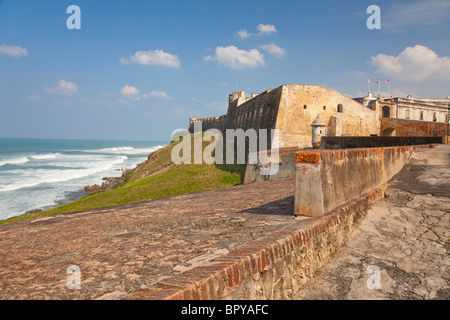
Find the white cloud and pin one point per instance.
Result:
(237, 59)
(263, 29)
(274, 49)
(416, 63)
(13, 51)
(243, 34)
(266, 29)
(129, 91)
(132, 93)
(64, 87)
(153, 58)
(160, 95)
(34, 98)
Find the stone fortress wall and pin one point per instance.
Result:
(292, 108)
(257, 112)
(301, 104)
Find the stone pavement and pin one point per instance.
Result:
(401, 249)
(121, 250)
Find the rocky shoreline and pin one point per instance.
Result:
(107, 184)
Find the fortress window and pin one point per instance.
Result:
(421, 115)
(340, 108)
(407, 114)
(304, 107)
(324, 107)
(386, 111)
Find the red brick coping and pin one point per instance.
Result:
(316, 156)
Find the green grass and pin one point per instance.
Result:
(155, 178)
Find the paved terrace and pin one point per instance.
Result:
(128, 249)
(124, 249)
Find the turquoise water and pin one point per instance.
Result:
(41, 173)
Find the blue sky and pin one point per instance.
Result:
(137, 70)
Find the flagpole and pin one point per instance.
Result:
(448, 120)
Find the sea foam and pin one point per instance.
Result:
(14, 161)
(26, 178)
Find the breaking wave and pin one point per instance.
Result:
(25, 178)
(14, 161)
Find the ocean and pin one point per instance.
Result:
(44, 173)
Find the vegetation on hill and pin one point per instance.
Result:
(155, 178)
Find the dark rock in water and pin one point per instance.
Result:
(107, 184)
(90, 189)
(110, 182)
(33, 211)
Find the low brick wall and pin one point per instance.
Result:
(327, 179)
(274, 267)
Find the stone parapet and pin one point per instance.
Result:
(327, 179)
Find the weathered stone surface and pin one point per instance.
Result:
(406, 235)
(327, 179)
(411, 128)
(238, 243)
(291, 109)
(128, 248)
(300, 105)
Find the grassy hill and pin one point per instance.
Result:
(155, 178)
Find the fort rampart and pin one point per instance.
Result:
(327, 179)
(291, 109)
(280, 263)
